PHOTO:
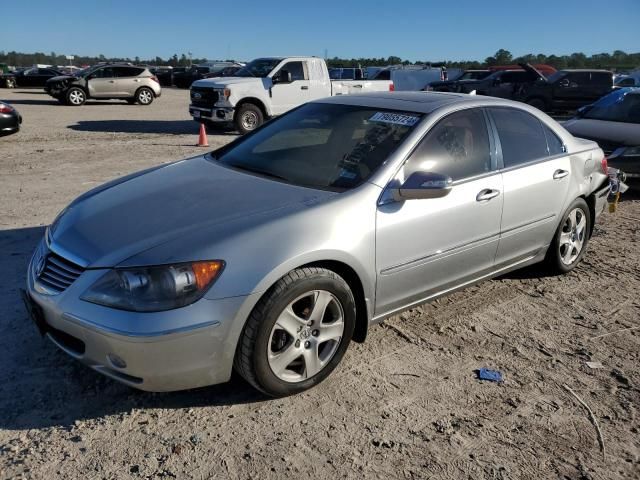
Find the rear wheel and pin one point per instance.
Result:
(248, 117)
(144, 96)
(76, 97)
(570, 241)
(298, 333)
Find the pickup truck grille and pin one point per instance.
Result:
(58, 273)
(203, 97)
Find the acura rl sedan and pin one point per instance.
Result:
(271, 254)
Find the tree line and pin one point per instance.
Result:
(617, 60)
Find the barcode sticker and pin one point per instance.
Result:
(397, 118)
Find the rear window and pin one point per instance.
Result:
(325, 146)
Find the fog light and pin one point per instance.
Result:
(116, 361)
(221, 114)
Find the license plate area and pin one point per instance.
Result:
(196, 113)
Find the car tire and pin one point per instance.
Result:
(297, 333)
(248, 117)
(10, 83)
(538, 103)
(144, 96)
(570, 241)
(75, 97)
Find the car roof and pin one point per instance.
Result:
(419, 102)
(596, 70)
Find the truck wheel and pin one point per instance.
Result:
(248, 117)
(537, 103)
(76, 97)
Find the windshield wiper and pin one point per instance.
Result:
(264, 173)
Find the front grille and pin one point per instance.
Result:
(208, 97)
(58, 273)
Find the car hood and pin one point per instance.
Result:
(126, 217)
(221, 82)
(602, 131)
(60, 78)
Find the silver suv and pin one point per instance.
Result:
(128, 82)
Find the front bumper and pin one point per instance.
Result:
(213, 114)
(178, 349)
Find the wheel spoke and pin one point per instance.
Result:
(280, 361)
(312, 363)
(290, 322)
(565, 238)
(332, 331)
(322, 300)
(568, 253)
(581, 224)
(572, 218)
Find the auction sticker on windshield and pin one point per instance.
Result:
(397, 118)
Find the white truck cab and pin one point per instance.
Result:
(267, 87)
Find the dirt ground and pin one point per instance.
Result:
(406, 404)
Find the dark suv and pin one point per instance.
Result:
(128, 82)
(502, 83)
(566, 89)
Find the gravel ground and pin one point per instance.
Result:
(406, 404)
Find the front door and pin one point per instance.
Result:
(102, 83)
(536, 178)
(285, 95)
(427, 246)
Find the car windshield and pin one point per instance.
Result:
(555, 76)
(474, 75)
(259, 67)
(324, 146)
(620, 106)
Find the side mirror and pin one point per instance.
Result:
(564, 83)
(283, 76)
(423, 185)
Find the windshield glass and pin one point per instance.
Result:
(620, 106)
(259, 67)
(474, 75)
(555, 76)
(332, 147)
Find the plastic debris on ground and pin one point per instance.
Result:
(490, 375)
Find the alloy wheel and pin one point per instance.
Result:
(306, 336)
(572, 236)
(144, 97)
(249, 120)
(76, 97)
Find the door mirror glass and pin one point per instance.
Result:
(283, 76)
(424, 185)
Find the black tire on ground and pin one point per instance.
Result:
(248, 117)
(75, 97)
(567, 232)
(538, 103)
(131, 101)
(251, 358)
(144, 96)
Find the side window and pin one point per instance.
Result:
(521, 136)
(296, 69)
(127, 71)
(103, 73)
(458, 146)
(554, 144)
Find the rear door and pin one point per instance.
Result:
(102, 83)
(426, 246)
(536, 174)
(128, 80)
(285, 96)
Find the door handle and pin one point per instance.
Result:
(304, 87)
(487, 194)
(357, 86)
(558, 174)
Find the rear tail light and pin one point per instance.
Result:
(392, 87)
(604, 166)
(5, 108)
(155, 79)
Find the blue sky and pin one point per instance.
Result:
(415, 30)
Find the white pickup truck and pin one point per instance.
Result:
(267, 87)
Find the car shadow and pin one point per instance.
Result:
(40, 91)
(40, 386)
(31, 102)
(173, 127)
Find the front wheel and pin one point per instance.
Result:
(570, 241)
(10, 83)
(297, 333)
(76, 97)
(248, 117)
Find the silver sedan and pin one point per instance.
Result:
(272, 253)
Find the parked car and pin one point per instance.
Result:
(545, 70)
(500, 83)
(627, 81)
(565, 90)
(10, 120)
(198, 72)
(225, 72)
(270, 254)
(613, 122)
(29, 77)
(107, 81)
(267, 87)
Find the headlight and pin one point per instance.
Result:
(153, 289)
(224, 93)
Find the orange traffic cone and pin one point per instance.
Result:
(202, 139)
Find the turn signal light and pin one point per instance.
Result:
(604, 166)
(206, 272)
(5, 108)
